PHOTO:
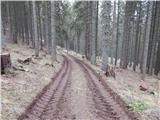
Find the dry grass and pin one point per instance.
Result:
(127, 83)
(20, 87)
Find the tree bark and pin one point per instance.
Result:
(147, 35)
(106, 32)
(35, 29)
(117, 34)
(94, 31)
(113, 33)
(53, 29)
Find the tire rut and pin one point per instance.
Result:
(45, 106)
(52, 102)
(107, 106)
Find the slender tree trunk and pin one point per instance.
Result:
(113, 32)
(39, 25)
(117, 35)
(94, 30)
(154, 43)
(157, 62)
(124, 52)
(35, 30)
(88, 30)
(53, 29)
(129, 12)
(49, 44)
(46, 26)
(137, 37)
(147, 36)
(106, 32)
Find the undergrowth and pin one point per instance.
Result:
(138, 105)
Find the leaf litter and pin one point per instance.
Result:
(19, 88)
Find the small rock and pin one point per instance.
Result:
(143, 87)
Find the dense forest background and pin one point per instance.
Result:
(121, 33)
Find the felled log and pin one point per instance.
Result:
(20, 68)
(24, 61)
(5, 62)
(110, 71)
(49, 64)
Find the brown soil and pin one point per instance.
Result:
(19, 88)
(44, 106)
(77, 93)
(108, 104)
(126, 85)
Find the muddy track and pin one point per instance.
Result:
(45, 106)
(52, 102)
(108, 105)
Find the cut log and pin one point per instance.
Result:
(49, 64)
(24, 61)
(20, 68)
(5, 62)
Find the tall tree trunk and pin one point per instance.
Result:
(147, 36)
(94, 31)
(137, 37)
(35, 30)
(106, 32)
(157, 62)
(39, 25)
(53, 29)
(129, 12)
(117, 35)
(88, 30)
(46, 25)
(154, 43)
(113, 32)
(49, 26)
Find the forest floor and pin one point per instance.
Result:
(19, 88)
(127, 84)
(76, 93)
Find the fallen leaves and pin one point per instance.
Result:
(20, 87)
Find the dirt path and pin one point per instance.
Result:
(80, 95)
(107, 107)
(77, 93)
(43, 107)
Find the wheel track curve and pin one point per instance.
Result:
(109, 106)
(44, 106)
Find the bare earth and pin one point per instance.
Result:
(19, 88)
(89, 99)
(80, 95)
(75, 93)
(127, 83)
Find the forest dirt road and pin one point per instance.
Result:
(77, 93)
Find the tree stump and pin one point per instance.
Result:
(110, 71)
(5, 62)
